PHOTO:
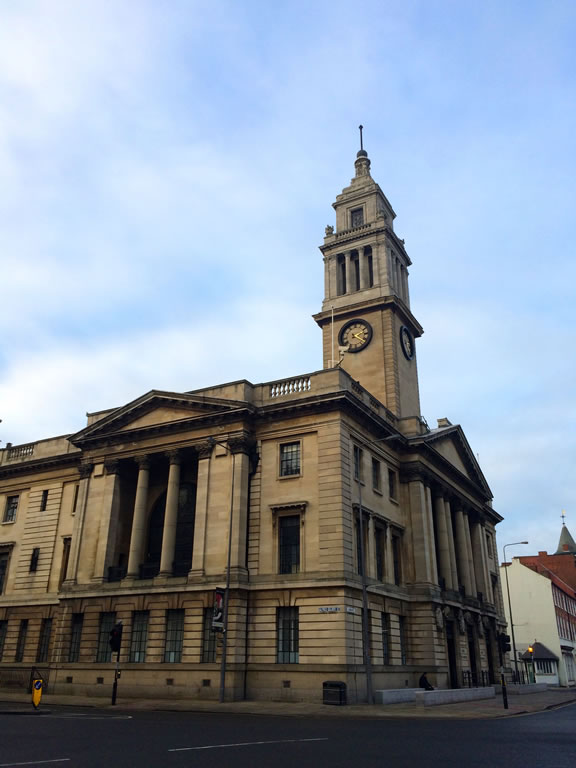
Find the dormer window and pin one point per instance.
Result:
(356, 217)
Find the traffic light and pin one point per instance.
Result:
(116, 637)
(504, 642)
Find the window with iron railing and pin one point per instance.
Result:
(75, 637)
(287, 645)
(107, 623)
(139, 636)
(174, 635)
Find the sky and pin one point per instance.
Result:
(168, 170)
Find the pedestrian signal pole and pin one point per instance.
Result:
(115, 645)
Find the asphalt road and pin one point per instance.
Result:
(92, 738)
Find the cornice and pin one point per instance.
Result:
(167, 428)
(391, 301)
(476, 501)
(65, 460)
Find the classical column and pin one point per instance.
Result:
(371, 554)
(445, 570)
(85, 471)
(139, 518)
(470, 556)
(489, 591)
(349, 272)
(422, 535)
(108, 521)
(204, 453)
(171, 514)
(363, 256)
(479, 571)
(389, 564)
(462, 552)
(240, 448)
(452, 548)
(430, 515)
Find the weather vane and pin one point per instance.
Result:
(563, 515)
(361, 127)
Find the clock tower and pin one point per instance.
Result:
(367, 325)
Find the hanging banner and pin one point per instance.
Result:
(218, 610)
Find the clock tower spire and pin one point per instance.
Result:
(367, 325)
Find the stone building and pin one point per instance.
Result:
(317, 497)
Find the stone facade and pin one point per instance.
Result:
(312, 498)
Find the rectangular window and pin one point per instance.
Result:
(385, 638)
(3, 569)
(392, 484)
(289, 544)
(402, 628)
(10, 509)
(44, 501)
(44, 641)
(356, 217)
(75, 637)
(380, 542)
(489, 544)
(287, 635)
(289, 459)
(208, 638)
(35, 556)
(3, 632)
(396, 559)
(139, 637)
(107, 623)
(376, 475)
(65, 558)
(21, 642)
(358, 464)
(75, 502)
(174, 635)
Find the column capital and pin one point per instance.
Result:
(112, 466)
(174, 456)
(143, 461)
(85, 469)
(204, 450)
(241, 443)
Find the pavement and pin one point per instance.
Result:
(518, 704)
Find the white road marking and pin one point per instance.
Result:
(38, 762)
(243, 744)
(81, 716)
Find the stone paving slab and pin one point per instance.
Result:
(11, 703)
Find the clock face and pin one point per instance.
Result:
(356, 334)
(407, 342)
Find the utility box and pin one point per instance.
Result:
(334, 692)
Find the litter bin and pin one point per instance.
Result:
(334, 692)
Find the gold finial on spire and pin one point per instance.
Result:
(563, 515)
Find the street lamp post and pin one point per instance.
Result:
(513, 544)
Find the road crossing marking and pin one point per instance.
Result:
(243, 744)
(37, 762)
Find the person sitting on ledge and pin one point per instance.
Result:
(423, 683)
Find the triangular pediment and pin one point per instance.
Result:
(153, 410)
(451, 443)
